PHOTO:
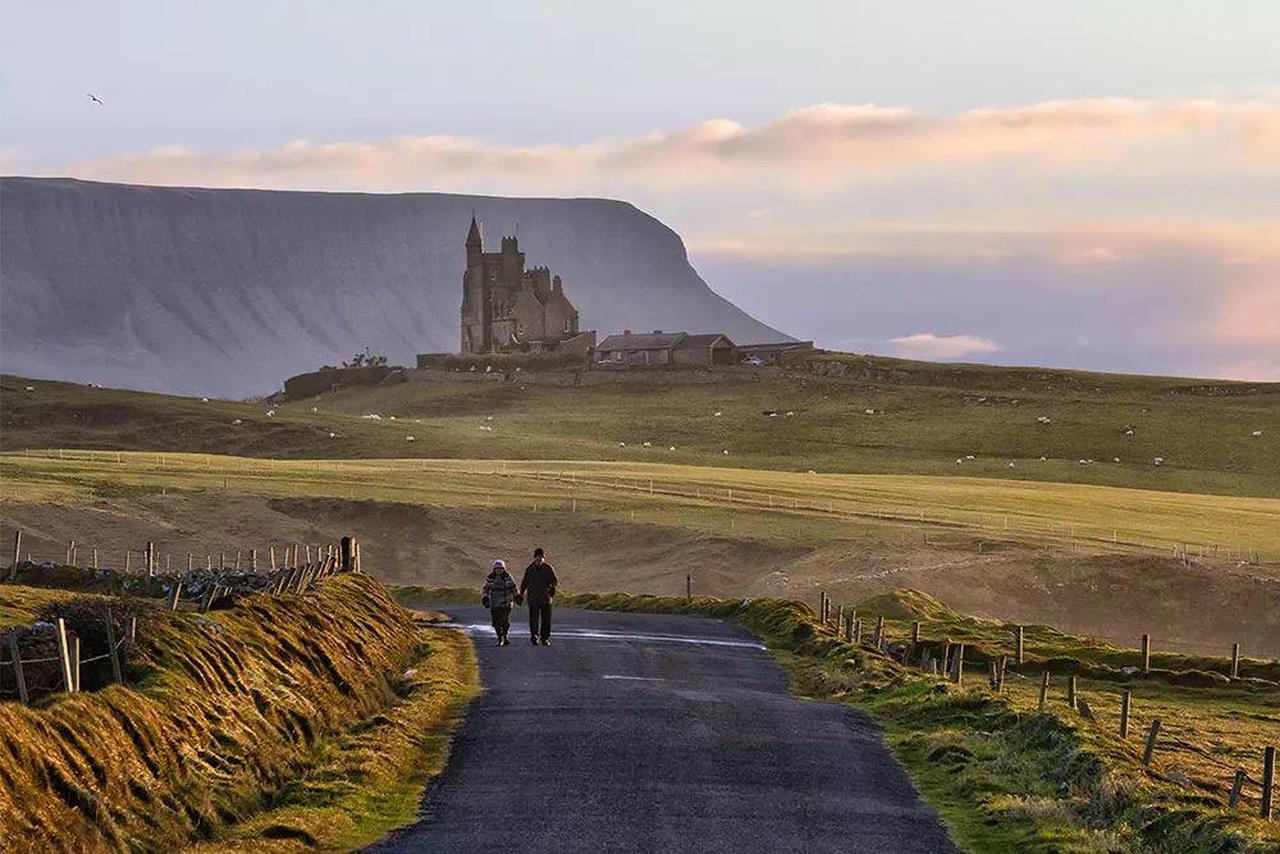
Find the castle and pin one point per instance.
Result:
(507, 308)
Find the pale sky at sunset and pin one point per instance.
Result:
(1086, 184)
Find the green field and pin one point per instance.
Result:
(922, 423)
(785, 506)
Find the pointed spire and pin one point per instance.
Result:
(473, 235)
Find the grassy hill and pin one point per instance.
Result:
(878, 416)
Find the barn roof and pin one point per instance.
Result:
(644, 341)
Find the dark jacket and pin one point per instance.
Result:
(539, 582)
(499, 590)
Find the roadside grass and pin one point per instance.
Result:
(919, 426)
(283, 705)
(1004, 775)
(783, 506)
(369, 780)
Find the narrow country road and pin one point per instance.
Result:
(659, 733)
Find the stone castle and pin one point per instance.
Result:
(506, 308)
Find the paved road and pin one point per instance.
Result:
(659, 733)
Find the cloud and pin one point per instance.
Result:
(927, 345)
(819, 149)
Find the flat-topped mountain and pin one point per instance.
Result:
(225, 292)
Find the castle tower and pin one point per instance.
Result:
(475, 243)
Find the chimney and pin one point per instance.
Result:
(626, 332)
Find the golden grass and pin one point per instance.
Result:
(794, 506)
(235, 706)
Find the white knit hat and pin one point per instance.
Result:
(498, 564)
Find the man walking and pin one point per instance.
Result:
(539, 584)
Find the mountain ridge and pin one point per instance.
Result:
(217, 291)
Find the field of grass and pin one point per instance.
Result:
(783, 506)
(921, 425)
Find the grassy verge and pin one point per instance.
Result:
(1004, 775)
(265, 722)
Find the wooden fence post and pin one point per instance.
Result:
(64, 654)
(222, 561)
(1235, 661)
(19, 676)
(1018, 648)
(71, 553)
(849, 625)
(345, 549)
(116, 672)
(359, 565)
(1071, 691)
(1004, 660)
(17, 551)
(190, 562)
(95, 558)
(839, 618)
(1236, 785)
(1044, 688)
(915, 634)
(1152, 735)
(151, 559)
(271, 550)
(1268, 781)
(253, 560)
(128, 553)
(1125, 700)
(688, 587)
(238, 553)
(174, 593)
(959, 664)
(75, 663)
(1146, 653)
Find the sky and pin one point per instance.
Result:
(1085, 184)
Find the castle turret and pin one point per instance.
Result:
(475, 243)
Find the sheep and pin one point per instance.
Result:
(725, 452)
(718, 413)
(1043, 419)
(410, 439)
(869, 411)
(271, 413)
(1158, 461)
(371, 416)
(1012, 466)
(1115, 459)
(1256, 433)
(790, 413)
(488, 418)
(969, 456)
(204, 400)
(622, 444)
(315, 409)
(959, 461)
(31, 388)
(333, 435)
(238, 421)
(648, 444)
(392, 417)
(672, 448)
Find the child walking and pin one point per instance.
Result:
(498, 594)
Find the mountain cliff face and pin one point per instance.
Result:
(226, 292)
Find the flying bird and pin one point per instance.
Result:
(96, 99)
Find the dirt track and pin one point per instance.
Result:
(1200, 608)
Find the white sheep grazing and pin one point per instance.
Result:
(333, 435)
(790, 413)
(1044, 459)
(1042, 419)
(237, 421)
(488, 418)
(959, 461)
(1256, 433)
(969, 456)
(622, 444)
(672, 448)
(410, 439)
(725, 452)
(31, 388)
(1115, 459)
(393, 418)
(315, 409)
(271, 413)
(1158, 461)
(718, 413)
(1012, 466)
(648, 444)
(1129, 432)
(869, 411)
(204, 400)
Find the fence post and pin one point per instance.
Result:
(848, 626)
(1125, 700)
(1018, 648)
(190, 559)
(839, 619)
(1268, 781)
(359, 565)
(128, 553)
(688, 587)
(1000, 674)
(1044, 688)
(879, 636)
(253, 560)
(75, 663)
(1071, 691)
(174, 593)
(1146, 653)
(64, 654)
(271, 553)
(857, 630)
(17, 550)
(959, 664)
(116, 673)
(1152, 735)
(345, 547)
(1235, 661)
(151, 559)
(17, 668)
(95, 558)
(1236, 785)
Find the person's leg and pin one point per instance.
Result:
(495, 619)
(545, 618)
(505, 620)
(533, 622)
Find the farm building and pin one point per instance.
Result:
(667, 348)
(775, 354)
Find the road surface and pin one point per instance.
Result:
(659, 733)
